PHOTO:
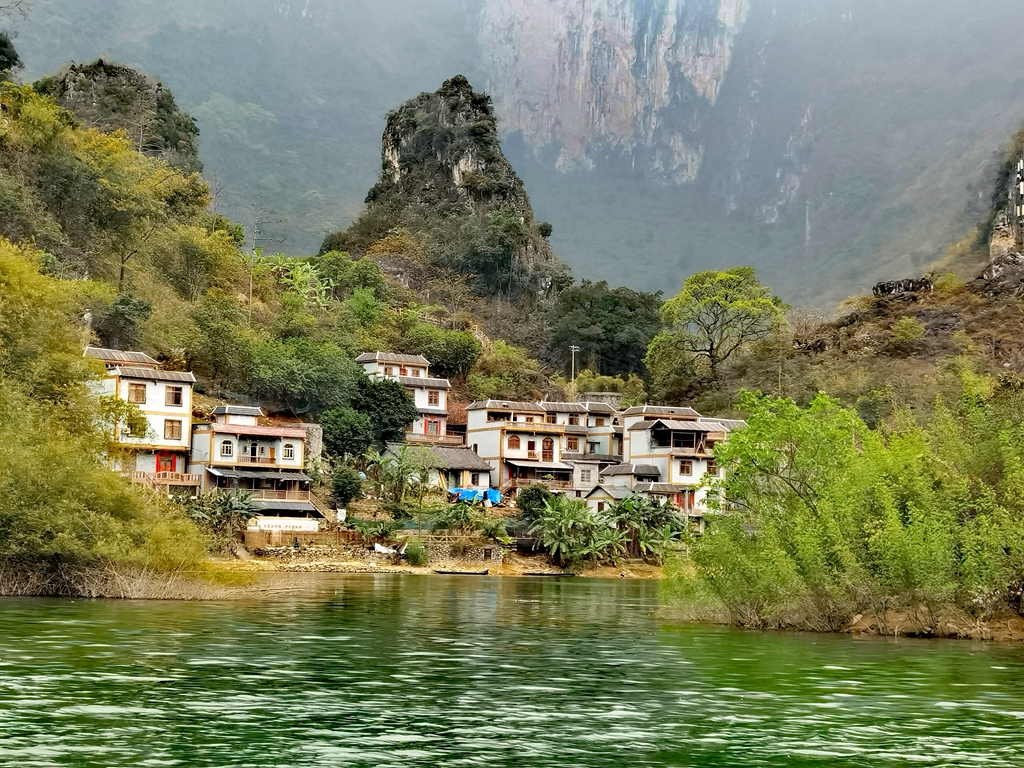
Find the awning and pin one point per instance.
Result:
(556, 465)
(253, 474)
(285, 506)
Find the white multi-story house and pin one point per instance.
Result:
(428, 393)
(679, 443)
(157, 457)
(521, 441)
(588, 444)
(237, 452)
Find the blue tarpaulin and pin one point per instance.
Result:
(492, 495)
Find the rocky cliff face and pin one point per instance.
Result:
(112, 97)
(446, 182)
(636, 77)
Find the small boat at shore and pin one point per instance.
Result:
(484, 572)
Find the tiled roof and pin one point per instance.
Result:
(392, 357)
(660, 410)
(237, 410)
(423, 381)
(593, 407)
(562, 407)
(432, 411)
(504, 405)
(245, 429)
(119, 356)
(460, 458)
(155, 374)
(615, 491)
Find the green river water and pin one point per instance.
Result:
(467, 671)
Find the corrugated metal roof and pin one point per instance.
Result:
(237, 410)
(504, 405)
(285, 506)
(423, 381)
(660, 488)
(392, 357)
(524, 464)
(433, 411)
(254, 474)
(120, 356)
(155, 374)
(641, 470)
(679, 426)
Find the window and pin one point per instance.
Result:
(513, 443)
(572, 444)
(288, 452)
(531, 446)
(416, 372)
(403, 371)
(433, 397)
(684, 440)
(172, 429)
(548, 449)
(474, 479)
(174, 396)
(600, 506)
(164, 463)
(599, 422)
(551, 418)
(574, 419)
(388, 370)
(685, 467)
(433, 427)
(593, 447)
(476, 448)
(585, 475)
(529, 419)
(137, 393)
(227, 448)
(712, 469)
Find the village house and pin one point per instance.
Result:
(522, 442)
(429, 394)
(450, 467)
(157, 457)
(588, 442)
(238, 453)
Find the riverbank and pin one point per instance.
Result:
(360, 560)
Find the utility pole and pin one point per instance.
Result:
(574, 349)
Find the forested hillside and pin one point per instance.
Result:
(828, 143)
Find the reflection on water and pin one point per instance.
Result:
(434, 671)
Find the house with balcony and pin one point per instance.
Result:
(430, 394)
(589, 443)
(240, 452)
(680, 447)
(522, 442)
(449, 467)
(157, 456)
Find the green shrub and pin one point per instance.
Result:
(908, 329)
(416, 553)
(347, 485)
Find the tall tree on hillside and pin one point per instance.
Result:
(612, 325)
(716, 315)
(9, 58)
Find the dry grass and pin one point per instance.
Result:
(120, 582)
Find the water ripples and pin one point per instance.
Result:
(414, 671)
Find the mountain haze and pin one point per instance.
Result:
(830, 143)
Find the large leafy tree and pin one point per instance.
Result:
(716, 315)
(347, 432)
(389, 407)
(613, 326)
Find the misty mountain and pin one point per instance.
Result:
(830, 143)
